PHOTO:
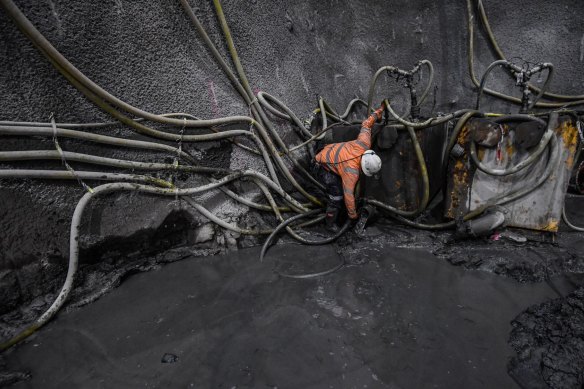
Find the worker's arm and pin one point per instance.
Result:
(364, 138)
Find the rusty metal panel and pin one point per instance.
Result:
(399, 183)
(469, 188)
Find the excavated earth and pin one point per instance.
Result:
(409, 309)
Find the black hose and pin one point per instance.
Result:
(301, 216)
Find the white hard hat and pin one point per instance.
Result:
(370, 163)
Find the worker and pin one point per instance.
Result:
(337, 167)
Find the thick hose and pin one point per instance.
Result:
(164, 135)
(504, 62)
(103, 139)
(98, 95)
(263, 98)
(352, 105)
(545, 139)
(81, 175)
(491, 92)
(89, 125)
(74, 241)
(500, 55)
(395, 69)
(298, 217)
(568, 223)
(96, 160)
(257, 109)
(49, 50)
(427, 123)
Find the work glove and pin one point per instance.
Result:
(376, 116)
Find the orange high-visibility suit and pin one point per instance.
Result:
(344, 159)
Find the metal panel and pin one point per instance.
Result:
(541, 209)
(399, 183)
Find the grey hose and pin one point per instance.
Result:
(263, 98)
(427, 123)
(298, 217)
(470, 18)
(351, 106)
(92, 159)
(74, 243)
(399, 71)
(258, 112)
(88, 125)
(79, 174)
(513, 68)
(521, 165)
(99, 96)
(103, 139)
(517, 117)
(500, 54)
(568, 223)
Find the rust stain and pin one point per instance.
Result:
(552, 226)
(480, 153)
(569, 135)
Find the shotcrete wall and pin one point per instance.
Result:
(149, 54)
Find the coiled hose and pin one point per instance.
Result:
(545, 139)
(284, 224)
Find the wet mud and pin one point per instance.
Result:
(391, 318)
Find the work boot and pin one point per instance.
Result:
(330, 221)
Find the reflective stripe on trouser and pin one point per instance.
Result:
(332, 183)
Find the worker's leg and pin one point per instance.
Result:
(334, 188)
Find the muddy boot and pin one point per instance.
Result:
(332, 214)
(365, 213)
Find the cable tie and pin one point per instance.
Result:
(179, 148)
(62, 155)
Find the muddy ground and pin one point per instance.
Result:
(409, 309)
